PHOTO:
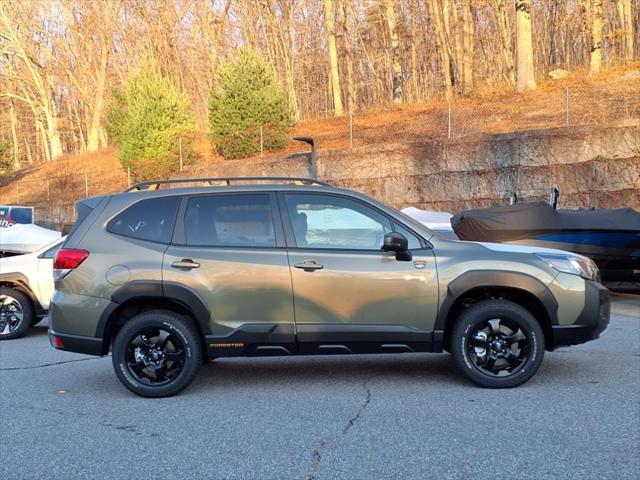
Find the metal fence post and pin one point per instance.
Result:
(350, 131)
(180, 146)
(449, 122)
(261, 142)
(129, 176)
(566, 107)
(86, 184)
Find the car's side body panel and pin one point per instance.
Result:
(32, 274)
(259, 301)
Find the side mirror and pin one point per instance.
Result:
(395, 242)
(398, 243)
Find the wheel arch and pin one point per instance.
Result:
(520, 288)
(139, 296)
(19, 282)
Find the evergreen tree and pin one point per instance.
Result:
(5, 160)
(247, 99)
(146, 121)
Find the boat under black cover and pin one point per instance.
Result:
(611, 238)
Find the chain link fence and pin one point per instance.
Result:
(460, 119)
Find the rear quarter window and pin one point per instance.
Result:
(151, 219)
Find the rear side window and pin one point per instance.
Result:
(230, 221)
(151, 219)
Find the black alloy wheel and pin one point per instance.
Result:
(155, 356)
(157, 353)
(497, 344)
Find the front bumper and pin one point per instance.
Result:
(593, 320)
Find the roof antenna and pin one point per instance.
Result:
(554, 194)
(312, 164)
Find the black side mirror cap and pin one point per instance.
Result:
(395, 242)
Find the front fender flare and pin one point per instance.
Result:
(496, 279)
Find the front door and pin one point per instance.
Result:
(349, 295)
(229, 249)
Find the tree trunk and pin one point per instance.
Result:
(625, 16)
(46, 150)
(55, 143)
(595, 64)
(415, 69)
(500, 7)
(441, 42)
(93, 136)
(14, 135)
(334, 72)
(396, 67)
(346, 26)
(468, 47)
(525, 76)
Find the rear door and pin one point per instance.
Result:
(348, 293)
(229, 248)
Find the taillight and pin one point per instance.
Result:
(66, 260)
(57, 342)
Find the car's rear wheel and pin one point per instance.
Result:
(497, 344)
(157, 354)
(16, 313)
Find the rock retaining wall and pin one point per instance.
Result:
(591, 166)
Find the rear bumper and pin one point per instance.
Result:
(593, 320)
(76, 343)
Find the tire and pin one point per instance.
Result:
(497, 344)
(157, 354)
(16, 313)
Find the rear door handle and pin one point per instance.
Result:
(185, 263)
(309, 265)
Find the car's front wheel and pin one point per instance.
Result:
(157, 354)
(16, 313)
(497, 344)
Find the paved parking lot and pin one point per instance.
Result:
(64, 415)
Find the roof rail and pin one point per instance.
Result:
(155, 184)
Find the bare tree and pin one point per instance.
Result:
(596, 21)
(334, 72)
(626, 20)
(396, 67)
(436, 12)
(525, 75)
(38, 83)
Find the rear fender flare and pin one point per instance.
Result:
(150, 290)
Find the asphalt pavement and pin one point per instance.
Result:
(412, 416)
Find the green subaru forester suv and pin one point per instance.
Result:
(171, 273)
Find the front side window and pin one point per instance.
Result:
(150, 219)
(413, 241)
(332, 222)
(230, 221)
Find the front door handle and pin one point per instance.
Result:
(309, 265)
(185, 263)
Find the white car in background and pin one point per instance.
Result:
(26, 286)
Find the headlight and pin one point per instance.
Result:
(574, 264)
